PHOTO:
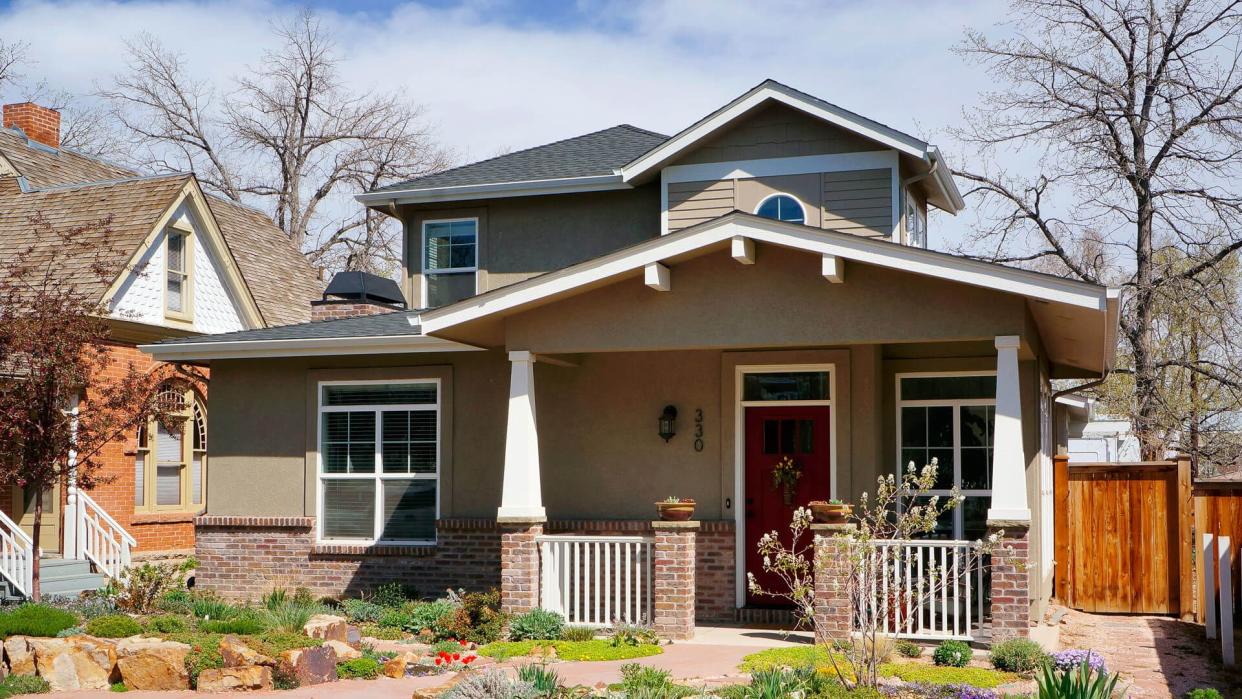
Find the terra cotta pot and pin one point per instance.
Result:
(675, 511)
(827, 513)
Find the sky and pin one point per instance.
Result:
(496, 75)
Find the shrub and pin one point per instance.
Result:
(113, 626)
(952, 654)
(490, 684)
(208, 607)
(633, 635)
(909, 649)
(397, 619)
(36, 620)
(383, 633)
(543, 679)
(361, 611)
(242, 622)
(390, 595)
(641, 681)
(204, 653)
(1203, 693)
(1071, 659)
(88, 605)
(273, 643)
(290, 616)
(478, 619)
(71, 631)
(536, 625)
(118, 687)
(1081, 682)
(1021, 655)
(578, 633)
(175, 602)
(168, 623)
(13, 685)
(418, 616)
(358, 669)
(143, 585)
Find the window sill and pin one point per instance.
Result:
(164, 517)
(378, 550)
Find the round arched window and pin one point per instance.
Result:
(781, 207)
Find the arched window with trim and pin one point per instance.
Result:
(781, 207)
(170, 463)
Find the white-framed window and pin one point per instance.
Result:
(379, 461)
(450, 260)
(916, 224)
(782, 207)
(951, 417)
(170, 462)
(178, 263)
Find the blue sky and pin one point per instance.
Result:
(495, 74)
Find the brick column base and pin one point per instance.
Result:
(519, 564)
(833, 609)
(1011, 594)
(673, 579)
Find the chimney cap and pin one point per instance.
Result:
(364, 286)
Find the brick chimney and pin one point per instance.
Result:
(357, 294)
(39, 123)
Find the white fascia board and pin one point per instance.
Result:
(302, 347)
(864, 127)
(771, 167)
(496, 190)
(849, 247)
(944, 179)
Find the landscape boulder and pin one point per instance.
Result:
(310, 665)
(344, 651)
(20, 655)
(77, 662)
(236, 653)
(152, 663)
(328, 627)
(235, 679)
(396, 667)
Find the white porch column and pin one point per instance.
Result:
(1009, 503)
(72, 544)
(522, 496)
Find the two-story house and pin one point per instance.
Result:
(174, 262)
(613, 319)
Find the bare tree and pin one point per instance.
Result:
(12, 56)
(1136, 108)
(290, 133)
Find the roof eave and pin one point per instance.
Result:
(494, 190)
(300, 347)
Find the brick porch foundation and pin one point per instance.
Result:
(1011, 593)
(833, 611)
(673, 579)
(519, 565)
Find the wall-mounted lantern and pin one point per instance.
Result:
(668, 422)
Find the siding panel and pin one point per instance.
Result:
(858, 202)
(692, 203)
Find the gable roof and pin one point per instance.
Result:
(596, 154)
(71, 189)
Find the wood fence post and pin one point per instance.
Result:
(1185, 541)
(1209, 585)
(1062, 563)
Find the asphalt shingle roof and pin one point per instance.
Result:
(597, 153)
(378, 325)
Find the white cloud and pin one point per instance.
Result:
(489, 84)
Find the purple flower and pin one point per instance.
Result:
(1071, 659)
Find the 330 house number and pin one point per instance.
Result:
(698, 429)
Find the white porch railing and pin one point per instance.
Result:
(925, 588)
(98, 537)
(597, 580)
(16, 555)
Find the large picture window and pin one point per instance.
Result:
(379, 461)
(171, 459)
(450, 260)
(951, 418)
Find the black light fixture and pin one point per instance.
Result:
(668, 422)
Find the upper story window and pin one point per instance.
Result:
(177, 266)
(916, 224)
(782, 207)
(450, 260)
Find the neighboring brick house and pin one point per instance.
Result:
(619, 317)
(185, 263)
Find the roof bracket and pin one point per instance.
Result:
(743, 250)
(657, 276)
(834, 269)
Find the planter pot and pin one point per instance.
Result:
(825, 513)
(675, 511)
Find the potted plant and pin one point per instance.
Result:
(830, 511)
(675, 509)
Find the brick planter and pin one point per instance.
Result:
(1011, 595)
(833, 611)
(519, 564)
(674, 578)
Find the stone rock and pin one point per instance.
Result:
(77, 662)
(237, 654)
(328, 627)
(344, 651)
(310, 665)
(437, 692)
(396, 667)
(152, 663)
(353, 636)
(20, 655)
(234, 679)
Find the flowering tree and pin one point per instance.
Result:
(882, 598)
(63, 396)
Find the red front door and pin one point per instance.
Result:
(772, 433)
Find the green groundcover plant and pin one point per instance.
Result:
(570, 650)
(36, 620)
(358, 669)
(113, 626)
(14, 685)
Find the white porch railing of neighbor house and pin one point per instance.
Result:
(16, 555)
(98, 537)
(927, 588)
(597, 580)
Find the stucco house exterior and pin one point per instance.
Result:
(179, 262)
(616, 318)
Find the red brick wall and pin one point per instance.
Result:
(331, 310)
(1011, 594)
(39, 123)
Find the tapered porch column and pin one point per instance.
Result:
(522, 496)
(521, 514)
(1009, 501)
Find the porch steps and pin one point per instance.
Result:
(59, 577)
(766, 616)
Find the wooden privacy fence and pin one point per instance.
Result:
(1218, 512)
(1124, 536)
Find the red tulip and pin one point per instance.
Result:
(457, 656)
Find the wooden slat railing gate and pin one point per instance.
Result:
(1218, 512)
(1123, 536)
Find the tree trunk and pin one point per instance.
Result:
(35, 594)
(1141, 337)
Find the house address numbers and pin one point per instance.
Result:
(698, 429)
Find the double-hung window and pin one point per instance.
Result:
(916, 224)
(170, 461)
(951, 418)
(177, 263)
(450, 260)
(379, 461)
